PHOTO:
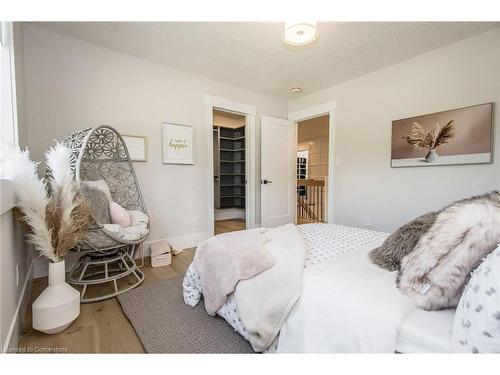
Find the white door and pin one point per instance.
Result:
(278, 171)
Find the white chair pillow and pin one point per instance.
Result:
(119, 215)
(476, 326)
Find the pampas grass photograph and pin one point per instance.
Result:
(56, 221)
(454, 137)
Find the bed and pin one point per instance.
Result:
(337, 255)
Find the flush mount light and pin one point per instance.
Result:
(300, 33)
(296, 90)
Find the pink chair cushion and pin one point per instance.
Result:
(119, 215)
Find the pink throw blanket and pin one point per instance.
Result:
(222, 261)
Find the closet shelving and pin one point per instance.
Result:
(230, 156)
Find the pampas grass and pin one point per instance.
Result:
(420, 139)
(57, 222)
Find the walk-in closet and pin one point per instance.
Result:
(229, 171)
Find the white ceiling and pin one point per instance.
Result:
(253, 55)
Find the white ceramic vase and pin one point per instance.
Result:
(431, 156)
(58, 305)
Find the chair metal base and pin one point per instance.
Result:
(98, 269)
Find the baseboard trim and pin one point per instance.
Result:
(229, 213)
(13, 335)
(179, 242)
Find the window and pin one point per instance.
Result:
(8, 129)
(8, 114)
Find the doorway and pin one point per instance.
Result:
(312, 169)
(229, 171)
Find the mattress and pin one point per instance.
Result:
(426, 332)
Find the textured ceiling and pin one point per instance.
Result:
(253, 56)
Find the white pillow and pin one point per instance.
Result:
(119, 215)
(476, 326)
(99, 185)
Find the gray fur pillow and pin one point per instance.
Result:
(99, 204)
(401, 242)
(435, 273)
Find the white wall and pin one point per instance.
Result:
(71, 84)
(14, 254)
(457, 75)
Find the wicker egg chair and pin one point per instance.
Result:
(101, 154)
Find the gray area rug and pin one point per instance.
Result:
(165, 324)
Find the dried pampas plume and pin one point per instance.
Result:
(67, 212)
(56, 223)
(31, 197)
(420, 139)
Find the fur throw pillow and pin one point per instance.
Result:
(98, 203)
(99, 185)
(435, 273)
(401, 242)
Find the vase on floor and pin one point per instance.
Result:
(58, 305)
(431, 156)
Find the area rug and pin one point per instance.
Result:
(165, 324)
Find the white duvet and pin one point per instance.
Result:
(347, 305)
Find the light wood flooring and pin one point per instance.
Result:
(230, 225)
(101, 327)
(301, 220)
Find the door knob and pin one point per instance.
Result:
(265, 182)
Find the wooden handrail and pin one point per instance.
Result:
(310, 182)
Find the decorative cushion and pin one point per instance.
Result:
(98, 203)
(100, 185)
(119, 215)
(401, 242)
(434, 274)
(476, 327)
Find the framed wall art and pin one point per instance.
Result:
(458, 136)
(177, 143)
(137, 147)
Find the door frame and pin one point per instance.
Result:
(328, 108)
(250, 113)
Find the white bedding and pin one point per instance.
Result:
(426, 332)
(324, 243)
(358, 304)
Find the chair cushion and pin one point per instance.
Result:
(119, 215)
(138, 227)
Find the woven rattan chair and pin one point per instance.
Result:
(108, 260)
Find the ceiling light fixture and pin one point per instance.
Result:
(300, 33)
(296, 90)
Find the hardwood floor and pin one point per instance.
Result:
(101, 327)
(230, 225)
(301, 220)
